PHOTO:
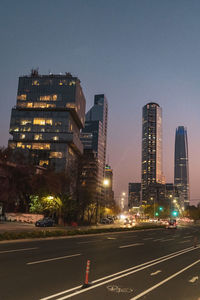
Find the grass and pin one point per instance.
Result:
(58, 232)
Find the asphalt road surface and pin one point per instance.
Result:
(151, 264)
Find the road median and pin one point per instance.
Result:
(35, 234)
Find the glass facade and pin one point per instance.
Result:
(181, 167)
(48, 117)
(94, 134)
(151, 149)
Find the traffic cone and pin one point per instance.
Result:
(87, 283)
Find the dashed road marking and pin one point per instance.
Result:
(18, 250)
(193, 279)
(52, 259)
(155, 273)
(131, 245)
(187, 241)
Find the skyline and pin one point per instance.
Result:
(151, 55)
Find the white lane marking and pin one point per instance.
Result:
(111, 238)
(185, 241)
(188, 236)
(165, 280)
(132, 270)
(157, 240)
(131, 245)
(18, 250)
(167, 240)
(155, 273)
(51, 259)
(85, 242)
(193, 279)
(146, 239)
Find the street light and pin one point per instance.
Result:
(106, 182)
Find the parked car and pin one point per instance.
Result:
(111, 219)
(105, 221)
(172, 224)
(46, 222)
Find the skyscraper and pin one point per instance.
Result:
(152, 175)
(94, 136)
(181, 169)
(47, 119)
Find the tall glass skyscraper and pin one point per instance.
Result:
(94, 134)
(181, 170)
(152, 174)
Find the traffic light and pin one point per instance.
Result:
(174, 213)
(156, 214)
(160, 208)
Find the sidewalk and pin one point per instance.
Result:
(19, 227)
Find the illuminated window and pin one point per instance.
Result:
(16, 129)
(19, 145)
(40, 105)
(22, 136)
(35, 82)
(51, 105)
(71, 127)
(60, 83)
(12, 145)
(22, 104)
(40, 146)
(29, 104)
(72, 83)
(71, 152)
(28, 146)
(49, 98)
(43, 162)
(55, 138)
(49, 122)
(58, 123)
(22, 97)
(38, 136)
(56, 155)
(71, 105)
(39, 121)
(24, 122)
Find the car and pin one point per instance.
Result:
(111, 219)
(46, 222)
(105, 221)
(129, 221)
(172, 224)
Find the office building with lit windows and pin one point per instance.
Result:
(181, 167)
(134, 194)
(47, 118)
(152, 176)
(108, 187)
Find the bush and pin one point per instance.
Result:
(59, 232)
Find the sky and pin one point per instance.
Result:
(134, 51)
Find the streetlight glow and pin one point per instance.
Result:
(106, 182)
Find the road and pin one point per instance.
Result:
(151, 264)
